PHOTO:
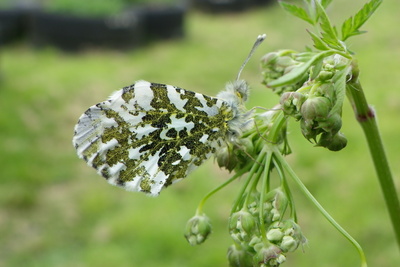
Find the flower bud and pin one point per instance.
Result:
(276, 215)
(275, 235)
(326, 90)
(269, 59)
(226, 157)
(291, 103)
(197, 229)
(242, 221)
(325, 75)
(333, 142)
(288, 244)
(315, 108)
(308, 130)
(331, 124)
(238, 257)
(292, 236)
(269, 255)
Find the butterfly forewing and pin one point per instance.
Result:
(148, 135)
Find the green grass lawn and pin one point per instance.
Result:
(56, 211)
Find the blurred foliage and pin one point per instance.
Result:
(87, 7)
(56, 211)
(97, 7)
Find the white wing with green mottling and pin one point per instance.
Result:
(147, 136)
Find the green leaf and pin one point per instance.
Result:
(297, 11)
(318, 43)
(325, 3)
(329, 35)
(339, 79)
(352, 25)
(297, 73)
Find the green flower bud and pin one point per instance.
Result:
(292, 236)
(316, 108)
(276, 215)
(275, 235)
(331, 124)
(288, 244)
(197, 229)
(277, 261)
(242, 221)
(256, 242)
(226, 157)
(268, 255)
(291, 103)
(326, 90)
(325, 75)
(308, 130)
(238, 257)
(333, 142)
(269, 59)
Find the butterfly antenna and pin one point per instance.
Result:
(259, 40)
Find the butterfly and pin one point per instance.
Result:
(147, 136)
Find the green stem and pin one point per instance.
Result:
(367, 118)
(201, 204)
(264, 185)
(304, 189)
(254, 168)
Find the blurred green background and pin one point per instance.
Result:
(56, 211)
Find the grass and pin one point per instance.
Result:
(55, 211)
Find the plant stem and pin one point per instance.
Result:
(367, 118)
(307, 193)
(199, 210)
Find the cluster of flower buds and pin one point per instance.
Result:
(263, 240)
(277, 64)
(314, 96)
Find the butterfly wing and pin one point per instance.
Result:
(147, 136)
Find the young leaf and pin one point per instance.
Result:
(318, 43)
(339, 79)
(325, 3)
(351, 26)
(329, 35)
(297, 11)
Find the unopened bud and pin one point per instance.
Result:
(291, 103)
(269, 59)
(269, 255)
(326, 90)
(226, 158)
(197, 229)
(331, 124)
(315, 108)
(238, 257)
(275, 235)
(242, 221)
(288, 244)
(308, 130)
(333, 142)
(325, 75)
